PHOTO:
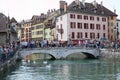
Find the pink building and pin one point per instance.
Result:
(81, 20)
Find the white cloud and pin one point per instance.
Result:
(24, 9)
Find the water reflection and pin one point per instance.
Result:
(63, 70)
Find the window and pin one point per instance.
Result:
(111, 23)
(98, 35)
(78, 35)
(72, 16)
(98, 26)
(103, 27)
(85, 25)
(112, 17)
(91, 26)
(91, 17)
(79, 16)
(33, 33)
(81, 35)
(85, 17)
(79, 25)
(72, 24)
(32, 28)
(92, 35)
(98, 18)
(86, 35)
(117, 24)
(73, 35)
(104, 19)
(39, 26)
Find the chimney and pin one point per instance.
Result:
(101, 3)
(77, 2)
(62, 3)
(114, 10)
(95, 4)
(51, 10)
(65, 7)
(83, 2)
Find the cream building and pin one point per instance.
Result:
(25, 30)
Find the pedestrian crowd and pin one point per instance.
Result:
(7, 51)
(84, 44)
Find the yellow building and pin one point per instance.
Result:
(111, 27)
(37, 29)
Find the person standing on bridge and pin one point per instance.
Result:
(86, 43)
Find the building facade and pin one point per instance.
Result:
(112, 20)
(81, 20)
(37, 28)
(8, 32)
(50, 30)
(25, 30)
(37, 31)
(118, 29)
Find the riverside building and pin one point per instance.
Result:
(81, 20)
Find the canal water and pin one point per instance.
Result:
(63, 70)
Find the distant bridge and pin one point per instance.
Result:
(61, 52)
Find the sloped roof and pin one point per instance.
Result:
(13, 20)
(89, 8)
(35, 16)
(3, 21)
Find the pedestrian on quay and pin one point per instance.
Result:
(1, 51)
(4, 54)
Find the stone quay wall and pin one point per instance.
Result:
(110, 54)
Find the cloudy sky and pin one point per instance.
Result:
(24, 9)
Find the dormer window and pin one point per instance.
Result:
(95, 11)
(75, 7)
(102, 12)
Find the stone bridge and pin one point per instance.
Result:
(61, 53)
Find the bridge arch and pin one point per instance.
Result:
(89, 56)
(61, 53)
(78, 55)
(45, 55)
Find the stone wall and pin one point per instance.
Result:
(110, 54)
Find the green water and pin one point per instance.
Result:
(62, 70)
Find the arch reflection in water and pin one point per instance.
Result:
(38, 56)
